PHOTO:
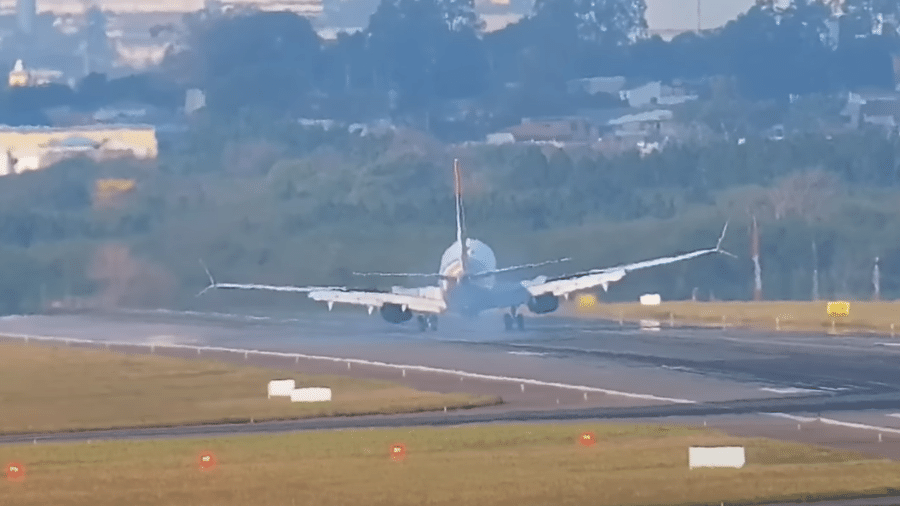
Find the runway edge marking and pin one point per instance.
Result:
(422, 368)
(828, 421)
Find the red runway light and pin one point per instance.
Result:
(398, 452)
(15, 472)
(207, 461)
(587, 439)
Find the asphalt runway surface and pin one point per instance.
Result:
(837, 390)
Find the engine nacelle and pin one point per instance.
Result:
(542, 304)
(395, 313)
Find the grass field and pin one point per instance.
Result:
(865, 316)
(496, 465)
(45, 388)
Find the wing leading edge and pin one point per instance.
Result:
(564, 285)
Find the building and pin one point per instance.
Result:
(559, 129)
(18, 76)
(876, 107)
(655, 93)
(595, 85)
(33, 148)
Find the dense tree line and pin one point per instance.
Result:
(417, 54)
(431, 51)
(310, 206)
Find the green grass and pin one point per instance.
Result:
(865, 316)
(495, 465)
(44, 388)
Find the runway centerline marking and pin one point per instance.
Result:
(422, 368)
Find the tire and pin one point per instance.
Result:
(508, 321)
(423, 323)
(432, 322)
(520, 322)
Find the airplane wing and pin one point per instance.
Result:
(564, 285)
(422, 300)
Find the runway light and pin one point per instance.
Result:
(398, 452)
(15, 472)
(587, 301)
(207, 461)
(587, 439)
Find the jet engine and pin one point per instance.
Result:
(546, 303)
(395, 313)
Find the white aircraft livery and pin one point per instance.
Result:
(465, 283)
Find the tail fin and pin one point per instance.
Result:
(460, 218)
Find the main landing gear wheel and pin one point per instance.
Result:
(510, 321)
(426, 322)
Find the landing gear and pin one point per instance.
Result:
(512, 319)
(426, 322)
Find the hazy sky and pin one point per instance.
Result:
(663, 14)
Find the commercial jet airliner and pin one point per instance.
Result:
(466, 284)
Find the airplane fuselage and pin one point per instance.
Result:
(470, 296)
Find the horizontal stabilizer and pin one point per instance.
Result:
(400, 275)
(517, 268)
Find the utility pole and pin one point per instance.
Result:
(876, 281)
(757, 270)
(815, 281)
(698, 17)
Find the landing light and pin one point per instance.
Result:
(398, 452)
(587, 439)
(15, 472)
(207, 461)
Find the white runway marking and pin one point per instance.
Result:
(527, 353)
(792, 417)
(790, 390)
(895, 415)
(349, 361)
(678, 368)
(839, 423)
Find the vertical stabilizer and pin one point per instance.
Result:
(460, 217)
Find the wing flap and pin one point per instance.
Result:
(566, 286)
(415, 303)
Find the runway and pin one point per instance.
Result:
(557, 370)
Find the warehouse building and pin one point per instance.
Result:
(33, 148)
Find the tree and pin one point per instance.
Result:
(426, 48)
(264, 59)
(865, 17)
(605, 23)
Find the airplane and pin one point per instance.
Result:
(467, 284)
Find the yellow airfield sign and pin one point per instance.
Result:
(837, 309)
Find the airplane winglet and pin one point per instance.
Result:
(212, 282)
(719, 243)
